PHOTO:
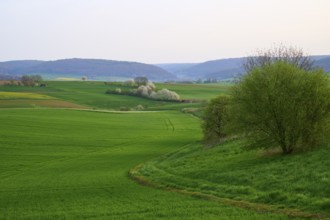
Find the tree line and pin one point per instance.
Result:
(26, 80)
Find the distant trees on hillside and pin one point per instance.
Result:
(10, 83)
(31, 80)
(141, 80)
(25, 80)
(281, 101)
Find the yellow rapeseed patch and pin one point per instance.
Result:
(23, 95)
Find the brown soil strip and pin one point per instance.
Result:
(38, 104)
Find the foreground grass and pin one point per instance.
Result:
(66, 164)
(292, 183)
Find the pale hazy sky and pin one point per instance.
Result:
(158, 31)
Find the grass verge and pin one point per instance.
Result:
(230, 175)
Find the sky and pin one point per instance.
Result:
(159, 31)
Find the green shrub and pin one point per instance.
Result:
(215, 117)
(280, 104)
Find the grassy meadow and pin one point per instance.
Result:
(67, 153)
(71, 164)
(291, 183)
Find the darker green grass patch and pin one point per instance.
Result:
(299, 181)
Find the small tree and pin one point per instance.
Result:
(26, 80)
(141, 80)
(31, 80)
(215, 117)
(282, 103)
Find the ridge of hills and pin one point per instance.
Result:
(100, 69)
(92, 68)
(222, 69)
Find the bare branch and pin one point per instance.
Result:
(289, 54)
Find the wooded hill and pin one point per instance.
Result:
(92, 68)
(223, 68)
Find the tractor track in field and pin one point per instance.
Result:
(87, 109)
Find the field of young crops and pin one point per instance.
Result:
(64, 164)
(92, 95)
(90, 163)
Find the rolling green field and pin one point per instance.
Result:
(70, 164)
(81, 163)
(92, 95)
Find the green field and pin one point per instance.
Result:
(198, 91)
(80, 163)
(67, 164)
(32, 99)
(92, 95)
